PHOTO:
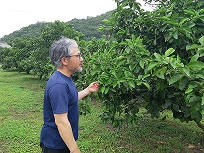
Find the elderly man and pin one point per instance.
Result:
(61, 114)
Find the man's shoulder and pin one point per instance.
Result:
(58, 79)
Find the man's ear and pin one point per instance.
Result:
(64, 61)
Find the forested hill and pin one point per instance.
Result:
(31, 31)
(89, 27)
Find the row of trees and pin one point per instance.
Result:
(31, 55)
(152, 59)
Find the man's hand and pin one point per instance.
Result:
(93, 87)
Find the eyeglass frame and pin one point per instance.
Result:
(78, 55)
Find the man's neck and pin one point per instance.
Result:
(64, 71)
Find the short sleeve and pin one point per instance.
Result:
(59, 98)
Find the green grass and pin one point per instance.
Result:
(21, 112)
(21, 101)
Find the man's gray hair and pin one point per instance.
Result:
(61, 48)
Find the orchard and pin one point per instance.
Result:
(152, 60)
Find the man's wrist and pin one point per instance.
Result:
(88, 91)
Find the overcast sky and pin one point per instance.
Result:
(15, 14)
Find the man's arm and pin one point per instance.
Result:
(65, 131)
(93, 87)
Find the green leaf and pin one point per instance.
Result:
(194, 84)
(183, 82)
(155, 41)
(152, 65)
(158, 56)
(106, 90)
(115, 84)
(163, 28)
(120, 57)
(142, 64)
(194, 108)
(186, 70)
(174, 23)
(165, 18)
(188, 90)
(194, 58)
(173, 62)
(144, 76)
(102, 89)
(201, 40)
(201, 51)
(195, 64)
(183, 21)
(147, 85)
(131, 84)
(93, 72)
(201, 11)
(132, 67)
(194, 46)
(169, 52)
(118, 83)
(160, 72)
(178, 58)
(194, 99)
(175, 34)
(202, 112)
(167, 37)
(127, 74)
(202, 100)
(175, 78)
(200, 75)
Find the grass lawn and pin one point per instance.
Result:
(21, 101)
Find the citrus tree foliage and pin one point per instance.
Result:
(176, 24)
(156, 57)
(134, 77)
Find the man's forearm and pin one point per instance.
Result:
(65, 131)
(83, 93)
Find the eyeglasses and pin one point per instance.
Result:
(78, 55)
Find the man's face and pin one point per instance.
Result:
(75, 61)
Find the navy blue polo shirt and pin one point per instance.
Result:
(61, 96)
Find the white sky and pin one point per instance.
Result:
(16, 14)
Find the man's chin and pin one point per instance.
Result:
(79, 69)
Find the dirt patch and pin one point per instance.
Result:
(195, 149)
(2, 147)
